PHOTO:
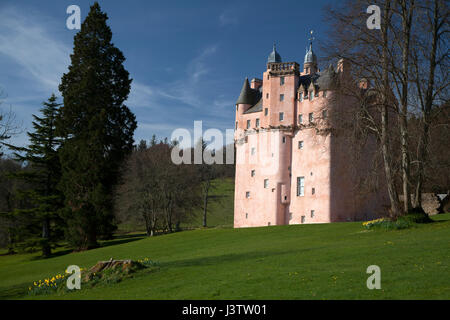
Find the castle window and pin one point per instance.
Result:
(300, 96)
(300, 144)
(311, 117)
(252, 173)
(325, 93)
(284, 139)
(236, 125)
(300, 186)
(313, 191)
(303, 219)
(324, 114)
(246, 216)
(281, 97)
(237, 107)
(257, 123)
(281, 116)
(266, 183)
(312, 213)
(267, 96)
(266, 111)
(316, 94)
(247, 194)
(281, 81)
(253, 151)
(311, 95)
(300, 118)
(248, 124)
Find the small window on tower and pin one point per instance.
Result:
(301, 96)
(281, 97)
(303, 219)
(311, 95)
(313, 191)
(266, 111)
(266, 183)
(281, 116)
(324, 114)
(246, 216)
(312, 213)
(300, 144)
(248, 124)
(284, 139)
(325, 93)
(252, 173)
(247, 194)
(236, 125)
(311, 117)
(237, 108)
(253, 151)
(267, 96)
(300, 118)
(281, 81)
(257, 123)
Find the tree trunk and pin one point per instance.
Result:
(385, 142)
(406, 31)
(205, 203)
(46, 249)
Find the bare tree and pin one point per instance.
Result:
(430, 64)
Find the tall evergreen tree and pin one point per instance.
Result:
(42, 173)
(98, 130)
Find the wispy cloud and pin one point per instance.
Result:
(29, 45)
(228, 17)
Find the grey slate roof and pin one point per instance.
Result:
(274, 56)
(325, 80)
(310, 56)
(256, 108)
(248, 95)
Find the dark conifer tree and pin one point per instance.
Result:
(42, 174)
(98, 130)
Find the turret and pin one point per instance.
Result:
(310, 62)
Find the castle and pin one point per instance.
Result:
(290, 167)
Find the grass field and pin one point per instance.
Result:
(326, 261)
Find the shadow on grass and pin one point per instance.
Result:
(121, 239)
(14, 292)
(225, 258)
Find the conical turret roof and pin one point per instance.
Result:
(248, 95)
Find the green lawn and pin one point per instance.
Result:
(323, 261)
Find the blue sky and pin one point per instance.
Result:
(188, 59)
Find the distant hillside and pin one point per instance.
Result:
(220, 206)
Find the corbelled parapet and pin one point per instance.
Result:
(283, 68)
